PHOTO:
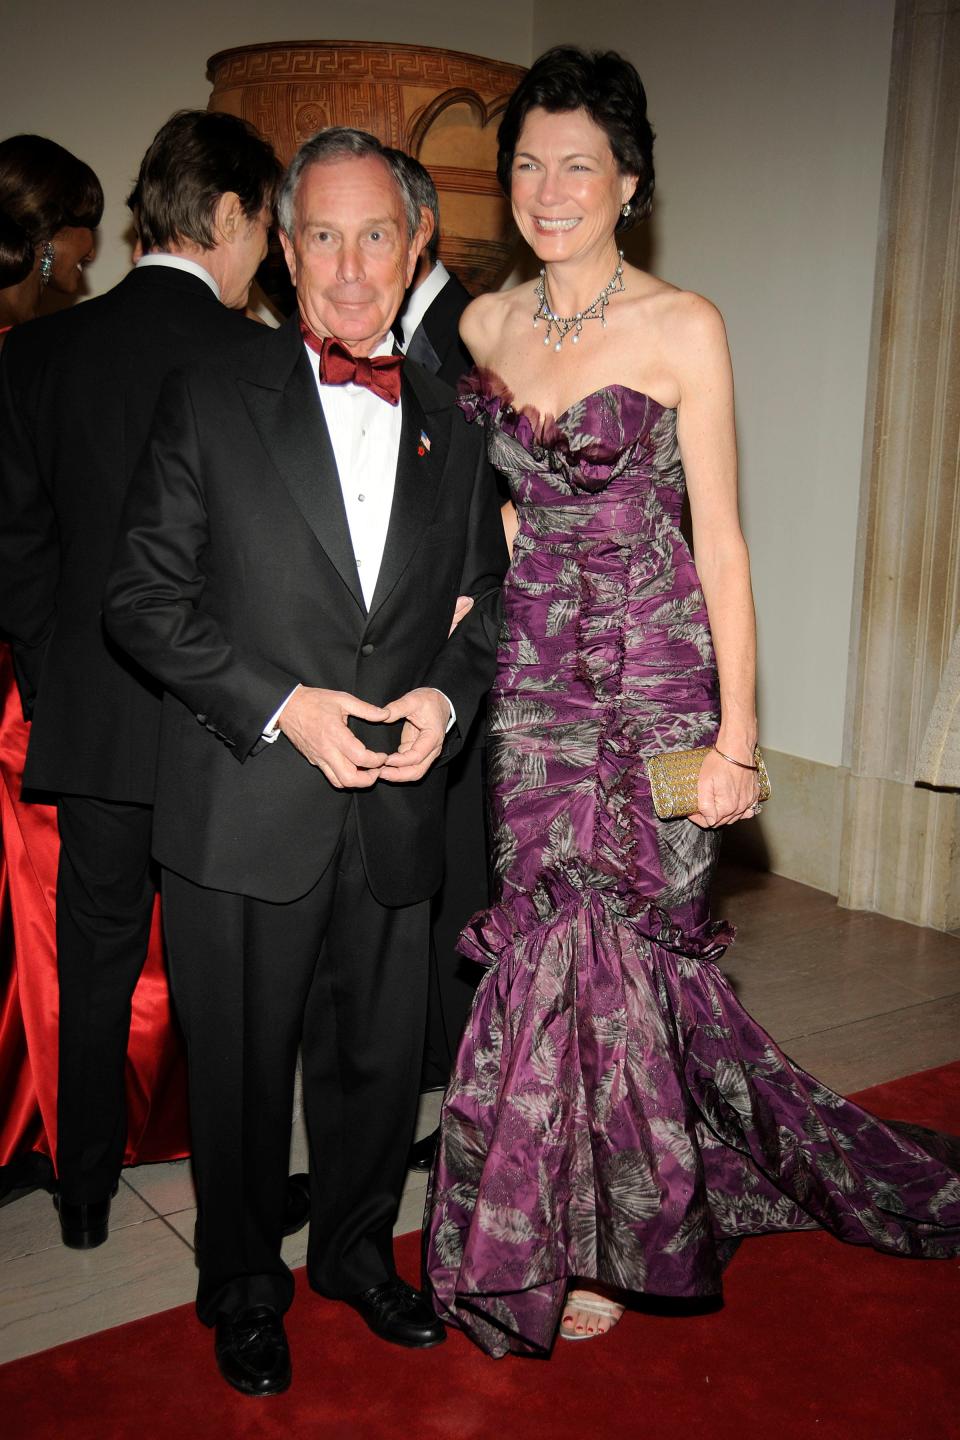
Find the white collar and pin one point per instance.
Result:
(179, 262)
(421, 299)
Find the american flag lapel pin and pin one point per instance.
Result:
(423, 446)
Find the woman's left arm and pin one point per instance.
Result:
(708, 446)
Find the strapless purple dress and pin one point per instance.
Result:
(614, 1112)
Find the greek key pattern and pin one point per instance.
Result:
(357, 60)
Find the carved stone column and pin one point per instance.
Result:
(901, 844)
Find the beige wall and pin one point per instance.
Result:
(770, 127)
(770, 117)
(100, 77)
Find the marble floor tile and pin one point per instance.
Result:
(851, 1057)
(31, 1223)
(183, 1221)
(428, 1114)
(299, 1149)
(59, 1294)
(929, 964)
(166, 1187)
(804, 1001)
(410, 1216)
(294, 1248)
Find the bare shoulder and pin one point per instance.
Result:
(693, 324)
(489, 318)
(680, 317)
(692, 339)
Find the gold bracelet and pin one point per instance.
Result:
(739, 763)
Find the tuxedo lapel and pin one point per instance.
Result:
(421, 349)
(424, 441)
(286, 410)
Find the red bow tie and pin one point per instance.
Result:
(380, 374)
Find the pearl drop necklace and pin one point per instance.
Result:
(566, 323)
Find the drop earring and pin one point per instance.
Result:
(46, 262)
(625, 210)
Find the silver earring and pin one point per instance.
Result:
(625, 210)
(46, 262)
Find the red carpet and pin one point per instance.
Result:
(816, 1339)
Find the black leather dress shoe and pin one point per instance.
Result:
(298, 1203)
(423, 1152)
(252, 1353)
(84, 1224)
(400, 1314)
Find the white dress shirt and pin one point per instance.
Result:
(365, 435)
(421, 299)
(178, 262)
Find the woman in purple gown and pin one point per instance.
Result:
(616, 1121)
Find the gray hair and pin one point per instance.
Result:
(338, 142)
(424, 192)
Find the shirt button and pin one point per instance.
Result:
(361, 497)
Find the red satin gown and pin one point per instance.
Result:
(156, 1070)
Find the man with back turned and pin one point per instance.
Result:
(77, 394)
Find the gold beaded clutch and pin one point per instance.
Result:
(673, 777)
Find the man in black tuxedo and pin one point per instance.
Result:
(77, 395)
(427, 329)
(294, 545)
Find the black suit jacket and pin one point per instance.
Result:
(235, 579)
(436, 342)
(77, 395)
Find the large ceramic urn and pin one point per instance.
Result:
(439, 105)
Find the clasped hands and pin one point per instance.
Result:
(315, 721)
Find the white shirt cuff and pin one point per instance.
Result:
(271, 730)
(453, 714)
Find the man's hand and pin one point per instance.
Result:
(315, 721)
(425, 714)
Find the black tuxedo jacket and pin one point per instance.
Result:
(235, 579)
(77, 395)
(436, 342)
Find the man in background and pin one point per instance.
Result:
(427, 330)
(77, 395)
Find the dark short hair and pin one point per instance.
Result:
(43, 189)
(424, 192)
(339, 142)
(196, 157)
(610, 90)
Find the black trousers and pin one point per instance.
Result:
(344, 978)
(105, 894)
